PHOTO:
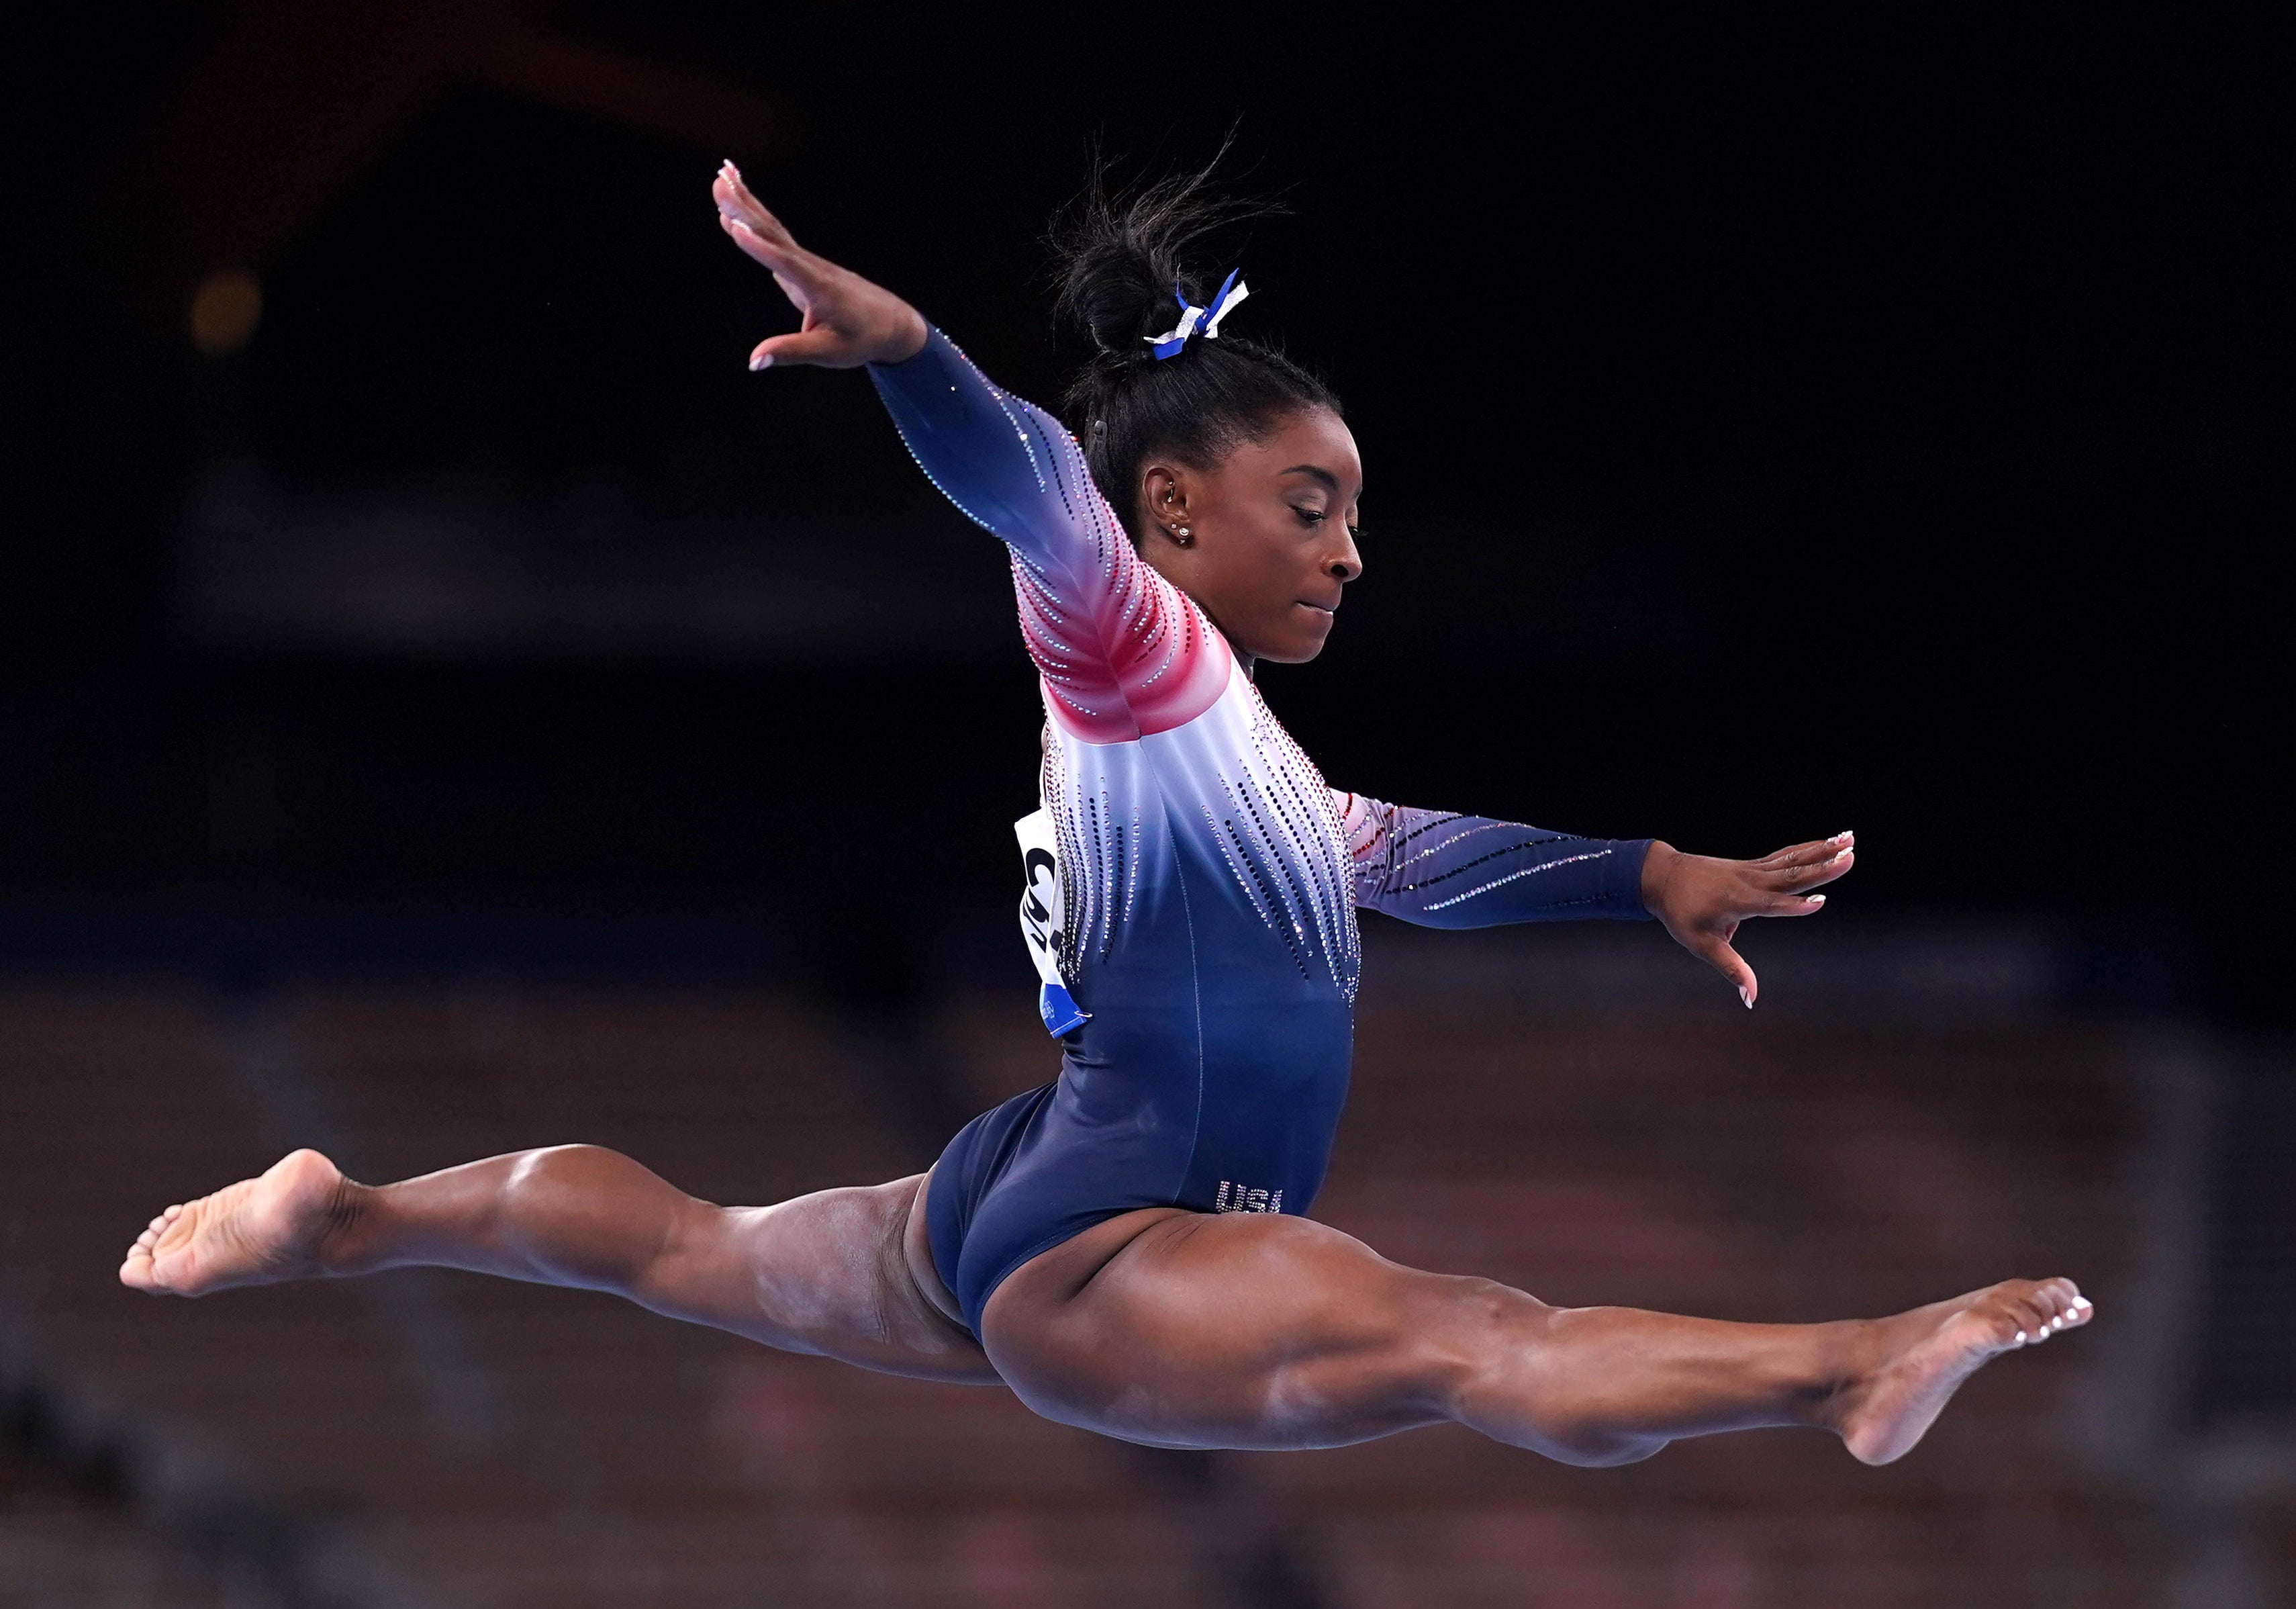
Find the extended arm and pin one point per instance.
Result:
(1008, 466)
(1439, 869)
(1122, 652)
(1443, 870)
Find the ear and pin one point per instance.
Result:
(1164, 503)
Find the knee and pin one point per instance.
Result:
(1491, 1322)
(1486, 1334)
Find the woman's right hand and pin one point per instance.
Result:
(848, 321)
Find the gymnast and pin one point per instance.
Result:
(1126, 1248)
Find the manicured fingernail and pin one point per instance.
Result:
(1816, 898)
(2082, 1302)
(763, 360)
(2021, 1337)
(1747, 996)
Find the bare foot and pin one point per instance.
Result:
(1927, 1353)
(258, 1231)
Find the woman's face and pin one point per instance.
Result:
(1270, 533)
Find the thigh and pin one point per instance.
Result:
(828, 1273)
(1243, 1330)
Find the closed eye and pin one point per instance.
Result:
(1313, 517)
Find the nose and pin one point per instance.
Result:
(1346, 565)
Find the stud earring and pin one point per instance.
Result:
(1182, 535)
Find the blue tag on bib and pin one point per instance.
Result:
(1060, 1012)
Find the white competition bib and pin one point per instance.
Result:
(1041, 921)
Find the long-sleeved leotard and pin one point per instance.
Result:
(1209, 878)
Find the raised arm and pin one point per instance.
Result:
(1009, 466)
(1122, 651)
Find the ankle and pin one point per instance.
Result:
(349, 1239)
(1850, 1353)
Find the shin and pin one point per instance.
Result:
(569, 1215)
(1612, 1386)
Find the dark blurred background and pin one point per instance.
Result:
(1770, 429)
(1873, 422)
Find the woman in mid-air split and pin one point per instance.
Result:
(1126, 1248)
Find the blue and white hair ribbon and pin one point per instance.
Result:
(1200, 321)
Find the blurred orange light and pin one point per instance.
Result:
(225, 311)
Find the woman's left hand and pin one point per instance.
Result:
(848, 321)
(1701, 900)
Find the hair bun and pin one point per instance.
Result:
(1121, 258)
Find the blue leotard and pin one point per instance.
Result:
(1210, 879)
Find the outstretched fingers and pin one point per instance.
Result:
(764, 239)
(796, 272)
(846, 320)
(798, 276)
(736, 202)
(1815, 850)
(1787, 876)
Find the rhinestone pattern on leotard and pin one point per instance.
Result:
(1160, 749)
(1209, 878)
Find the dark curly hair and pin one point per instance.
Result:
(1121, 258)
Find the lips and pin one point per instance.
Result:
(1318, 608)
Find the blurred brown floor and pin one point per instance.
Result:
(507, 1446)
